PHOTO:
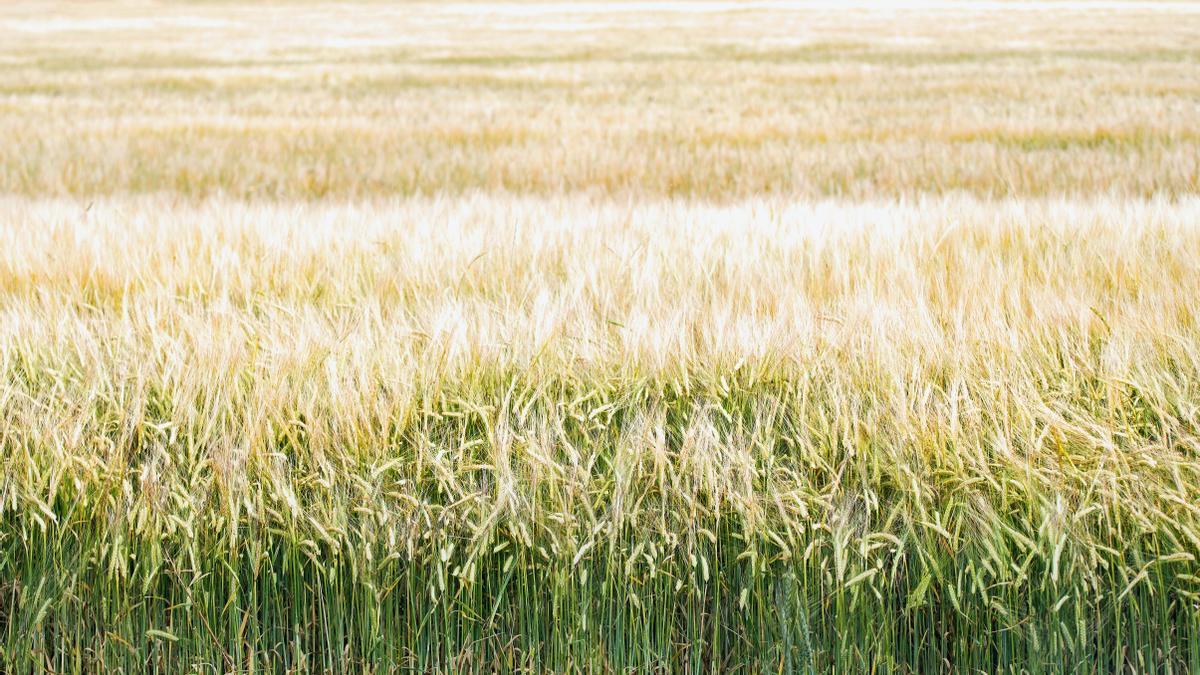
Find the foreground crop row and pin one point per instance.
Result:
(501, 433)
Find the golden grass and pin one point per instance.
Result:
(659, 287)
(314, 100)
(953, 389)
(659, 337)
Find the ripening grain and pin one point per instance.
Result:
(645, 337)
(963, 416)
(313, 100)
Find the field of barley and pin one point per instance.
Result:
(649, 336)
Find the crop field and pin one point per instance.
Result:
(642, 336)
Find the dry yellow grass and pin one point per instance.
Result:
(310, 100)
(427, 287)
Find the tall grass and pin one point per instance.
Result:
(500, 433)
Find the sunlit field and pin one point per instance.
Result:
(631, 337)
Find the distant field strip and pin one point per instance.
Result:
(313, 100)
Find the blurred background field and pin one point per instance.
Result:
(707, 100)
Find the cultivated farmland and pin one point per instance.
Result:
(643, 336)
